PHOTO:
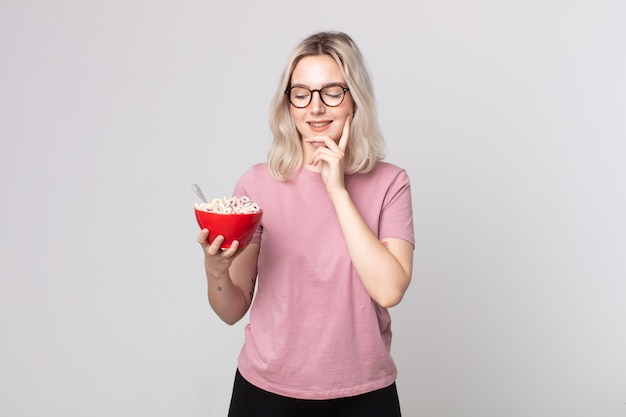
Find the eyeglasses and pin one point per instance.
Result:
(331, 95)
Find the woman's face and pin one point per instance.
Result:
(318, 119)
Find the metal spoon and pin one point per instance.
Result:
(198, 192)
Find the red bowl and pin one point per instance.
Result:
(238, 227)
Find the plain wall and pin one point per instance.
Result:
(510, 117)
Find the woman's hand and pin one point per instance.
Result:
(217, 261)
(331, 156)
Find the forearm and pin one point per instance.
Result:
(228, 301)
(383, 276)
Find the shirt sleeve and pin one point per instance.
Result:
(396, 220)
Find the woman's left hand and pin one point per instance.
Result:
(331, 156)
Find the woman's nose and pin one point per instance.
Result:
(317, 106)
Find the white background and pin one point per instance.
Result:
(510, 117)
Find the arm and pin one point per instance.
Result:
(231, 277)
(384, 266)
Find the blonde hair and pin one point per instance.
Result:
(366, 145)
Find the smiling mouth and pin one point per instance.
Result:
(319, 124)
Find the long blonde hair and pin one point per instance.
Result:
(366, 146)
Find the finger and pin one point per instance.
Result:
(327, 145)
(316, 157)
(326, 155)
(203, 236)
(343, 142)
(321, 140)
(232, 249)
(215, 246)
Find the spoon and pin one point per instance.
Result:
(198, 192)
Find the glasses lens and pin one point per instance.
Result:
(299, 96)
(332, 95)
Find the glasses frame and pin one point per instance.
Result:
(319, 92)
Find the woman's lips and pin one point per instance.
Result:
(319, 126)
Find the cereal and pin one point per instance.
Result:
(230, 205)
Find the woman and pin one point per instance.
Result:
(333, 252)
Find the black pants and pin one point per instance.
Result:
(250, 401)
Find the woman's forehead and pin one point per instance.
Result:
(316, 71)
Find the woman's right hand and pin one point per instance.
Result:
(217, 261)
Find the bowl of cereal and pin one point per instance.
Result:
(235, 218)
